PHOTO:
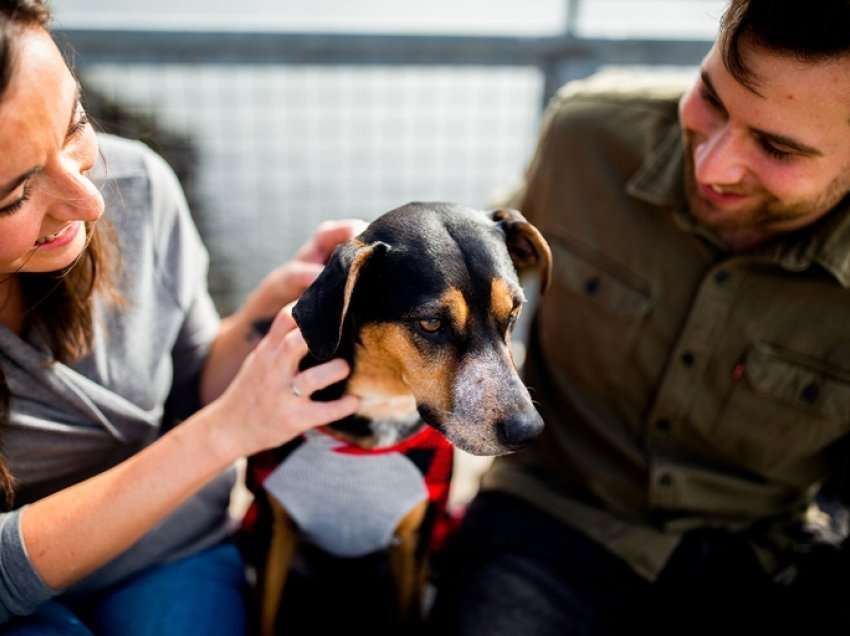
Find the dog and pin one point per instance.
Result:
(421, 305)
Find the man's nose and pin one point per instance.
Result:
(720, 158)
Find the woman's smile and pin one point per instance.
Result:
(60, 238)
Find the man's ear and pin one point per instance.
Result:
(321, 310)
(526, 244)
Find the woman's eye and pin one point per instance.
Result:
(430, 325)
(79, 125)
(17, 205)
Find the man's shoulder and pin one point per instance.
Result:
(618, 85)
(614, 98)
(615, 115)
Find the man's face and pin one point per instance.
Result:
(770, 160)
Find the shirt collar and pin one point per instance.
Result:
(826, 242)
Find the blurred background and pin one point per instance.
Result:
(277, 115)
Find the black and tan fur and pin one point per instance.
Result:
(421, 304)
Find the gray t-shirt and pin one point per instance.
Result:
(69, 422)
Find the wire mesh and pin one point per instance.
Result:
(275, 149)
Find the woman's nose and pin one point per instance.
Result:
(73, 196)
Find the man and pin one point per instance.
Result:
(692, 359)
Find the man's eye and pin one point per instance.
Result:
(430, 325)
(773, 151)
(711, 98)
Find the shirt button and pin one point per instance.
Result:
(664, 425)
(721, 276)
(591, 285)
(665, 479)
(810, 393)
(688, 359)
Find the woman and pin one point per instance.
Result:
(118, 525)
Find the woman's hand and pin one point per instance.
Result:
(327, 236)
(268, 402)
(287, 282)
(282, 286)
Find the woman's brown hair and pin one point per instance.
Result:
(58, 304)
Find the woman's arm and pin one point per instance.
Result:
(76, 530)
(235, 337)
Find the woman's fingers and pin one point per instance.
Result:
(317, 413)
(282, 325)
(285, 347)
(327, 236)
(288, 355)
(311, 380)
(299, 276)
(291, 279)
(273, 389)
(310, 413)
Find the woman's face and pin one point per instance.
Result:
(46, 148)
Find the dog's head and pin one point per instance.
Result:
(422, 303)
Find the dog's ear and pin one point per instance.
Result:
(321, 310)
(526, 244)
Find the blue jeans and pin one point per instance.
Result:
(201, 594)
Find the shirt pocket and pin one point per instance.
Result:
(591, 322)
(787, 408)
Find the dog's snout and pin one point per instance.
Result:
(517, 430)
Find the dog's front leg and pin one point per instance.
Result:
(278, 562)
(407, 566)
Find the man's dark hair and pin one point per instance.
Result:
(808, 31)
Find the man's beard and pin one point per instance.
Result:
(767, 215)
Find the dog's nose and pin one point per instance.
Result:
(516, 431)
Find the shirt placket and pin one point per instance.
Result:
(682, 382)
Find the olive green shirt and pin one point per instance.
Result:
(682, 386)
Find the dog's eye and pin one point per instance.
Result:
(514, 315)
(431, 325)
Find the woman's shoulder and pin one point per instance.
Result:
(122, 158)
(135, 180)
(132, 164)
